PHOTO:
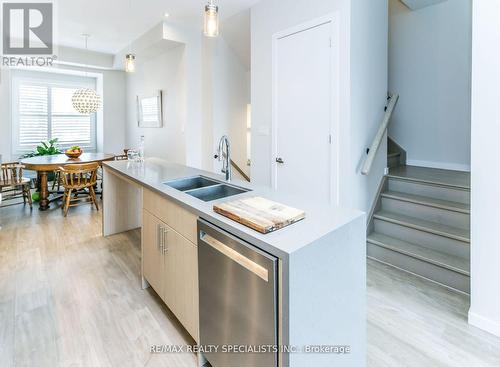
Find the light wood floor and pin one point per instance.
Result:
(69, 297)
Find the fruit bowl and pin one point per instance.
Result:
(73, 154)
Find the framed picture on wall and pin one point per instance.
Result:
(150, 110)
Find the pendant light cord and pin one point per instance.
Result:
(86, 36)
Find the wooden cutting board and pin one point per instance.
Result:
(260, 214)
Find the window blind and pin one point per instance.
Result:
(69, 126)
(33, 115)
(45, 111)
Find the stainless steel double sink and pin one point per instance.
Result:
(204, 188)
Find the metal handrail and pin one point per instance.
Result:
(240, 171)
(392, 101)
(237, 168)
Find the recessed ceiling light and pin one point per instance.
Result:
(166, 15)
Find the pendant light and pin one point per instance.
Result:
(130, 57)
(211, 28)
(130, 63)
(86, 100)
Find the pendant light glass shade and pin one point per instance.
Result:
(211, 28)
(130, 63)
(86, 101)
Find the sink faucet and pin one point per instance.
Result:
(224, 155)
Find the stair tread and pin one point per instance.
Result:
(426, 200)
(432, 175)
(420, 224)
(450, 262)
(395, 154)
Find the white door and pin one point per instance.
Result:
(302, 116)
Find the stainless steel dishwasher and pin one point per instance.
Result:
(238, 300)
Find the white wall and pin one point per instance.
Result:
(164, 72)
(206, 92)
(368, 70)
(363, 86)
(192, 103)
(429, 66)
(5, 116)
(111, 132)
(114, 112)
(189, 107)
(226, 95)
(111, 118)
(485, 194)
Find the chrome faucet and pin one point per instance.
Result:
(224, 155)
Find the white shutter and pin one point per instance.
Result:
(69, 126)
(33, 115)
(43, 110)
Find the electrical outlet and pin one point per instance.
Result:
(386, 171)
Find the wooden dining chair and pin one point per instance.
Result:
(12, 183)
(79, 179)
(57, 180)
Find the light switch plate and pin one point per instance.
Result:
(263, 130)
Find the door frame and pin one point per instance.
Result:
(332, 18)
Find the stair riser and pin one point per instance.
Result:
(431, 214)
(393, 161)
(433, 191)
(431, 241)
(427, 270)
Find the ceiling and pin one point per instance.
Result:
(113, 24)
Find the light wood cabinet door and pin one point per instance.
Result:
(152, 259)
(181, 280)
(187, 284)
(170, 257)
(177, 217)
(168, 293)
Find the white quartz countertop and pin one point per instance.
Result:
(321, 219)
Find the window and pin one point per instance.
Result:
(42, 110)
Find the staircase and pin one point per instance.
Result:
(421, 224)
(396, 155)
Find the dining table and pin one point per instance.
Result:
(46, 164)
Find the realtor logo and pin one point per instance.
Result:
(27, 28)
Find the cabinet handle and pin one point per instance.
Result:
(165, 242)
(158, 236)
(162, 237)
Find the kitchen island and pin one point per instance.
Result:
(320, 261)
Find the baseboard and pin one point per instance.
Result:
(440, 165)
(484, 323)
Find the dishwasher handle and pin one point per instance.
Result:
(244, 261)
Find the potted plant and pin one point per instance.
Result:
(45, 148)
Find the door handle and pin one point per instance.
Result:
(280, 160)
